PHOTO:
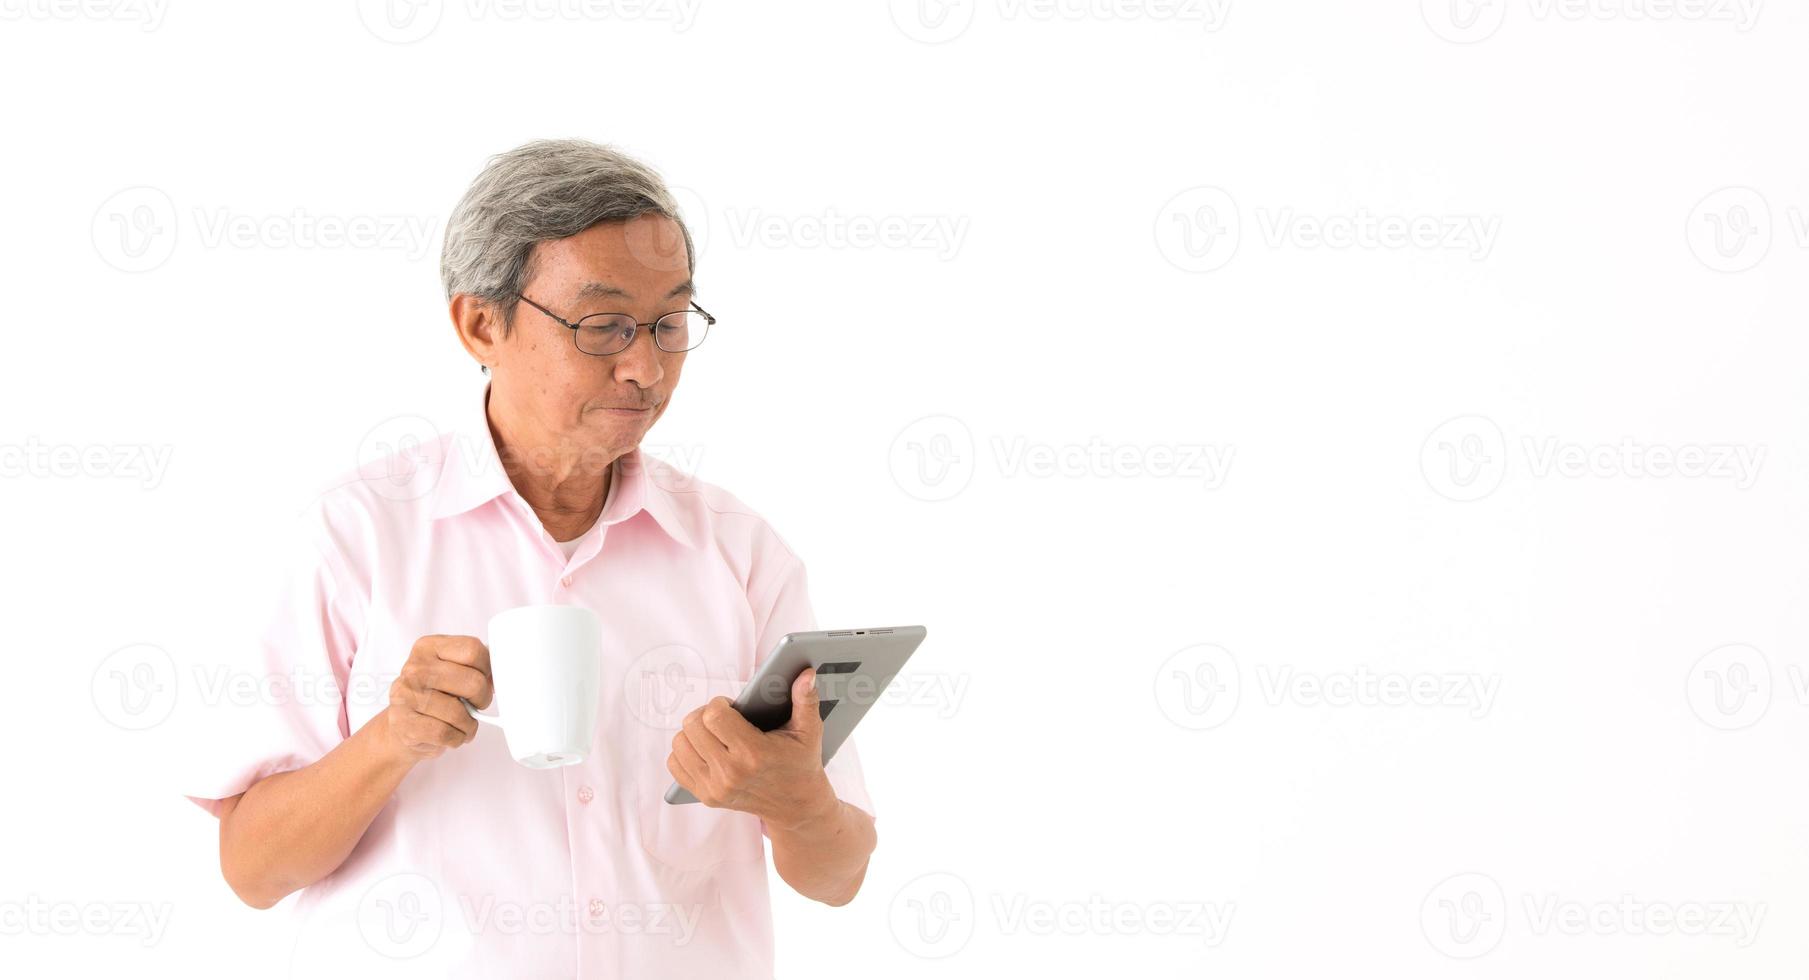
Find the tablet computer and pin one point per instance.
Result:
(853, 669)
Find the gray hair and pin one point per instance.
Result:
(540, 191)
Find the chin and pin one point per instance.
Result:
(623, 434)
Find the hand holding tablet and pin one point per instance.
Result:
(853, 669)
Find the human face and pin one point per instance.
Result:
(601, 405)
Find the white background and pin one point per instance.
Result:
(1111, 250)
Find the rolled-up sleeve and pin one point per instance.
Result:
(782, 605)
(299, 671)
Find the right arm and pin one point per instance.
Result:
(289, 830)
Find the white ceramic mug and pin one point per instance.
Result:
(546, 668)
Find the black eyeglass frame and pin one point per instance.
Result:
(709, 321)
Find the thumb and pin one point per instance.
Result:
(805, 718)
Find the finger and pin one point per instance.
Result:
(806, 717)
(457, 680)
(467, 650)
(724, 722)
(686, 753)
(704, 741)
(443, 707)
(683, 775)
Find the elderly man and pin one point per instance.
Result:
(414, 839)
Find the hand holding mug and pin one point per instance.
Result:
(425, 715)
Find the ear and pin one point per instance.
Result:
(480, 326)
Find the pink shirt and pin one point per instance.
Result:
(478, 866)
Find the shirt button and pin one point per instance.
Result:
(596, 908)
(566, 581)
(585, 795)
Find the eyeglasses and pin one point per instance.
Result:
(603, 334)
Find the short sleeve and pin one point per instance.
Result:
(782, 605)
(298, 669)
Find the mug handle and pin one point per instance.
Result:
(486, 719)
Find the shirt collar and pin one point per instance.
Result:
(473, 475)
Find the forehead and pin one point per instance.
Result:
(599, 290)
(642, 259)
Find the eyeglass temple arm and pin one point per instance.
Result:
(568, 324)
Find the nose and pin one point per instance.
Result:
(639, 363)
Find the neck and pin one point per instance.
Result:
(565, 483)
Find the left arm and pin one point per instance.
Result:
(820, 844)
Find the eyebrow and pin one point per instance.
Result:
(596, 289)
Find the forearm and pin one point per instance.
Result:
(825, 857)
(294, 828)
